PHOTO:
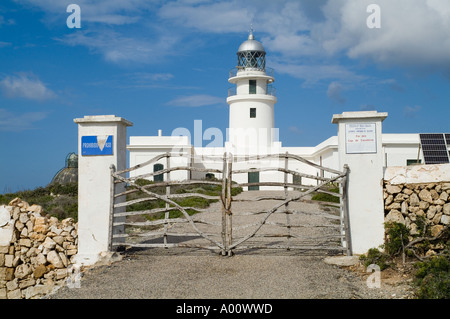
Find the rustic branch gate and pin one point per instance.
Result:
(218, 231)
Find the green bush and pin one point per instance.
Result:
(374, 256)
(432, 278)
(397, 238)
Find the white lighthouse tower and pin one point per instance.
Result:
(251, 127)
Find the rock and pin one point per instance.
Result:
(393, 189)
(344, 261)
(394, 216)
(12, 285)
(443, 196)
(40, 228)
(4, 249)
(413, 229)
(40, 271)
(61, 274)
(15, 201)
(25, 242)
(414, 200)
(40, 220)
(393, 206)
(22, 271)
(400, 197)
(404, 208)
(27, 283)
(421, 213)
(63, 259)
(436, 229)
(407, 191)
(41, 259)
(58, 239)
(49, 243)
(425, 195)
(35, 208)
(54, 259)
(434, 194)
(437, 218)
(424, 205)
(388, 200)
(431, 212)
(430, 252)
(445, 219)
(3, 294)
(38, 290)
(446, 209)
(15, 294)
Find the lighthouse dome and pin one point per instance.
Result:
(251, 45)
(251, 55)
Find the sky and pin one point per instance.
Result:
(164, 64)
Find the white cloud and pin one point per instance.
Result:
(412, 35)
(196, 100)
(112, 12)
(231, 16)
(10, 122)
(411, 111)
(118, 48)
(27, 86)
(313, 73)
(334, 93)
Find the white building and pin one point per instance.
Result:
(251, 132)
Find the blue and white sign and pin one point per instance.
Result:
(97, 145)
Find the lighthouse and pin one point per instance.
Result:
(251, 101)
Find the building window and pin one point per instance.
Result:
(413, 162)
(253, 112)
(252, 87)
(159, 177)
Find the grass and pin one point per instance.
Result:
(192, 201)
(327, 197)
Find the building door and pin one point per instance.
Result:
(253, 177)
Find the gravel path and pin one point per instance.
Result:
(198, 273)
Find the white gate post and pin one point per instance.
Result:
(360, 147)
(101, 142)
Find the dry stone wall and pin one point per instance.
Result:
(413, 204)
(38, 258)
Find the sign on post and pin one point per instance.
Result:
(97, 145)
(360, 138)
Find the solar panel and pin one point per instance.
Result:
(435, 148)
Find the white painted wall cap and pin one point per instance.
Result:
(358, 115)
(103, 119)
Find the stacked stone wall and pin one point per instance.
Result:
(416, 205)
(36, 251)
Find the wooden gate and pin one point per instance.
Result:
(163, 213)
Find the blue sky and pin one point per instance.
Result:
(140, 59)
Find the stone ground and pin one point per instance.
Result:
(192, 273)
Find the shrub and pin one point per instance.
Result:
(397, 238)
(433, 278)
(374, 256)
